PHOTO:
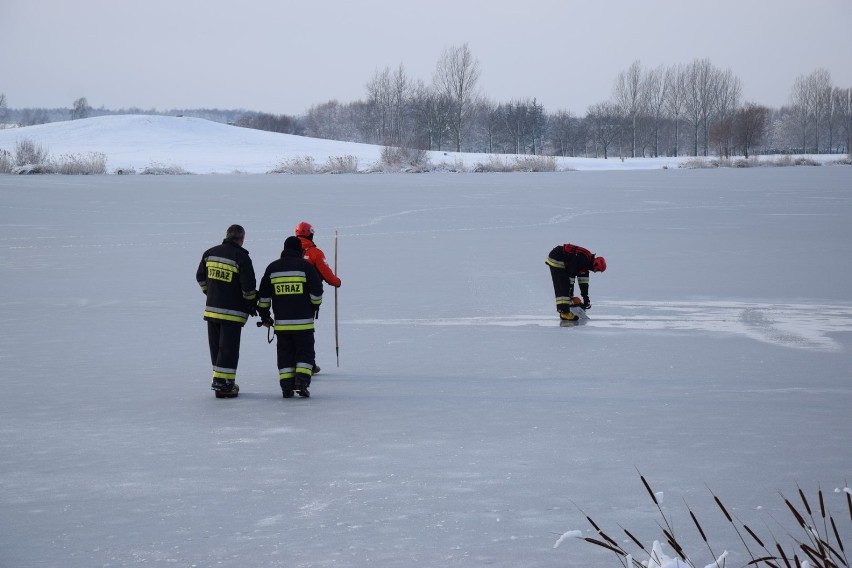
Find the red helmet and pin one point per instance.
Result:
(599, 264)
(304, 229)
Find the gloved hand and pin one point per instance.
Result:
(586, 305)
(251, 308)
(266, 321)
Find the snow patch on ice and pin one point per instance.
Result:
(796, 326)
(565, 535)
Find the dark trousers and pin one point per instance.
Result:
(224, 340)
(295, 358)
(563, 288)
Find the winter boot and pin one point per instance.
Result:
(302, 384)
(567, 316)
(288, 386)
(224, 388)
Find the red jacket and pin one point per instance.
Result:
(315, 256)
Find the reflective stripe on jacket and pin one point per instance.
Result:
(292, 289)
(575, 265)
(226, 275)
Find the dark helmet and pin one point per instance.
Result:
(599, 264)
(304, 229)
(293, 243)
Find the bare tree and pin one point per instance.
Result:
(456, 76)
(800, 97)
(379, 99)
(564, 129)
(402, 90)
(321, 121)
(630, 94)
(389, 94)
(489, 123)
(80, 108)
(845, 112)
(432, 111)
(658, 84)
(722, 135)
(727, 91)
(750, 126)
(334, 121)
(605, 123)
(834, 119)
(4, 110)
(699, 101)
(811, 96)
(675, 99)
(524, 125)
(820, 85)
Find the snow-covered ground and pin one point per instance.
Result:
(135, 142)
(463, 426)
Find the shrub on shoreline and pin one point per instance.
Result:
(786, 160)
(404, 159)
(92, 163)
(517, 164)
(157, 169)
(299, 165)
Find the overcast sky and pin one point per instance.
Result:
(282, 56)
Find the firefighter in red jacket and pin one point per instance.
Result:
(316, 257)
(226, 276)
(292, 290)
(569, 263)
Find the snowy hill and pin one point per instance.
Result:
(202, 146)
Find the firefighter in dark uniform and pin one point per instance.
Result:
(568, 263)
(226, 276)
(292, 289)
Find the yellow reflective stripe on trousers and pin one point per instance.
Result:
(226, 316)
(295, 327)
(223, 373)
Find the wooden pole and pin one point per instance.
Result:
(336, 334)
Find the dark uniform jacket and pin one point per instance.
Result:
(576, 264)
(292, 288)
(226, 275)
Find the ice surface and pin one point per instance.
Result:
(463, 427)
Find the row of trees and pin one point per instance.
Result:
(684, 109)
(688, 109)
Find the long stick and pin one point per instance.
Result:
(336, 336)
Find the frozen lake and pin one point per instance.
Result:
(463, 426)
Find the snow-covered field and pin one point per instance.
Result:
(463, 426)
